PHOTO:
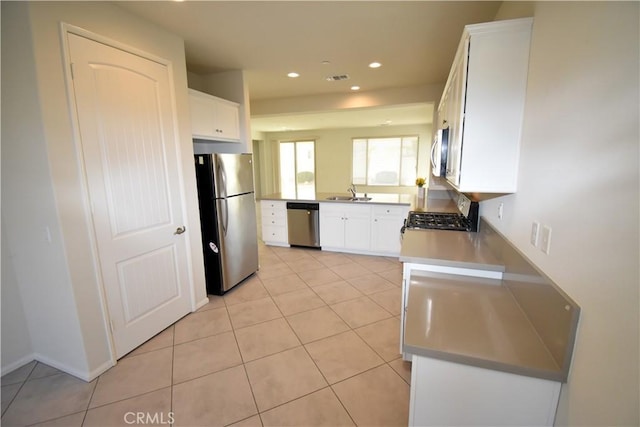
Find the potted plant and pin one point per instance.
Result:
(421, 191)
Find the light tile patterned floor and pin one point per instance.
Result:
(311, 339)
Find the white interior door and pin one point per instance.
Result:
(126, 120)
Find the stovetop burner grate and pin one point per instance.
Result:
(438, 221)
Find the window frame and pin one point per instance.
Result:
(400, 168)
(295, 162)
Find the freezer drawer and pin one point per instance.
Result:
(303, 223)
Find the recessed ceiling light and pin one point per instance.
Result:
(375, 65)
(293, 75)
(355, 87)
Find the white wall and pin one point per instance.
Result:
(40, 274)
(334, 152)
(16, 340)
(42, 182)
(579, 175)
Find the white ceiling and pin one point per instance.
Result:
(414, 40)
(352, 118)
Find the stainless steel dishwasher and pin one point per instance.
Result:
(303, 223)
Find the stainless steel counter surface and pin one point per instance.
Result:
(522, 323)
(448, 249)
(474, 321)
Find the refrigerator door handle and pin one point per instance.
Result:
(225, 222)
(222, 174)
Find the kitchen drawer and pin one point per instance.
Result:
(275, 221)
(274, 234)
(273, 210)
(401, 211)
(273, 204)
(273, 213)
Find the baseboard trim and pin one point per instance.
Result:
(18, 363)
(87, 376)
(202, 303)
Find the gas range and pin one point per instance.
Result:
(464, 220)
(438, 221)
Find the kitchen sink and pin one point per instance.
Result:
(349, 198)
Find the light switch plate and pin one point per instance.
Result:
(535, 231)
(545, 245)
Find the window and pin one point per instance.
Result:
(385, 161)
(298, 169)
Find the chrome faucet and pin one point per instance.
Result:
(352, 190)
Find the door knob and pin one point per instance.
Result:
(180, 230)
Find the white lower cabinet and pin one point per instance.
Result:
(345, 227)
(274, 222)
(451, 394)
(385, 228)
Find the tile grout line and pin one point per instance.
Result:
(93, 392)
(121, 400)
(330, 385)
(363, 340)
(319, 370)
(22, 383)
(242, 358)
(246, 375)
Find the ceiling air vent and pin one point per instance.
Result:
(337, 78)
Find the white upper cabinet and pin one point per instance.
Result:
(483, 106)
(214, 118)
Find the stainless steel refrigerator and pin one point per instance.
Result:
(228, 219)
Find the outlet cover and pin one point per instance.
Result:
(545, 245)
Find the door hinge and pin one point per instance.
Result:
(72, 71)
(111, 324)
